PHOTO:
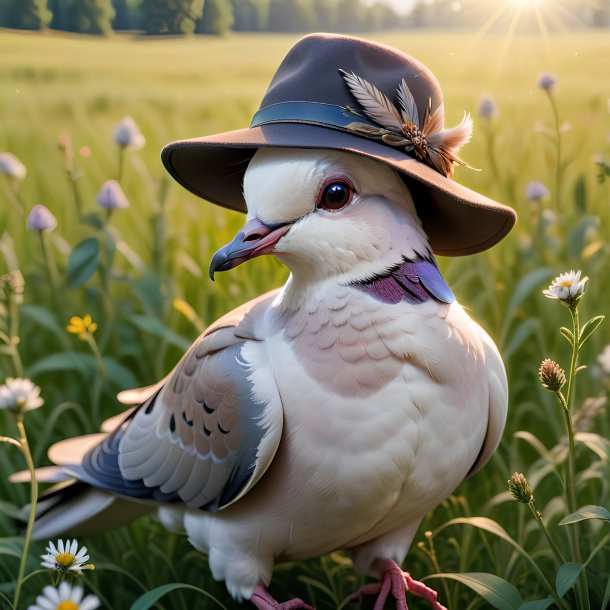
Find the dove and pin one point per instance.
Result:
(336, 411)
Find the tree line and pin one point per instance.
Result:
(158, 17)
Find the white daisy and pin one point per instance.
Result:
(66, 557)
(567, 288)
(19, 394)
(65, 597)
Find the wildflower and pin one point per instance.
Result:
(487, 108)
(11, 166)
(111, 196)
(66, 557)
(567, 288)
(519, 488)
(536, 191)
(552, 376)
(81, 326)
(546, 81)
(65, 597)
(604, 360)
(19, 394)
(127, 134)
(41, 219)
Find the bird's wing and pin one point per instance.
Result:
(204, 437)
(498, 402)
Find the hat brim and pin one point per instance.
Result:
(457, 220)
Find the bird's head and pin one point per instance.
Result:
(325, 214)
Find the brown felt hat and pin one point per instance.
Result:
(310, 104)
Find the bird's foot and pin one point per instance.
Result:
(263, 601)
(396, 582)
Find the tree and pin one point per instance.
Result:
(122, 18)
(29, 15)
(352, 16)
(327, 14)
(250, 15)
(171, 16)
(217, 17)
(291, 16)
(91, 16)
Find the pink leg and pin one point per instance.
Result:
(397, 582)
(263, 601)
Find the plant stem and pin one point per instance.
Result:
(546, 533)
(558, 152)
(25, 449)
(14, 335)
(120, 170)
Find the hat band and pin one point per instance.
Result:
(309, 113)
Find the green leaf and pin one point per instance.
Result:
(586, 229)
(566, 577)
(606, 595)
(146, 601)
(15, 512)
(519, 336)
(12, 547)
(119, 374)
(62, 361)
(158, 329)
(83, 261)
(495, 590)
(526, 285)
(568, 334)
(538, 604)
(580, 194)
(43, 317)
(589, 328)
(587, 512)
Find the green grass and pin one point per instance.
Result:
(180, 88)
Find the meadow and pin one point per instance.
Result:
(148, 290)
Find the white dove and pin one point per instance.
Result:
(333, 413)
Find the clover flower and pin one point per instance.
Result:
(519, 488)
(41, 219)
(535, 191)
(487, 108)
(11, 166)
(65, 597)
(19, 395)
(567, 288)
(552, 376)
(81, 326)
(546, 81)
(66, 557)
(111, 196)
(127, 134)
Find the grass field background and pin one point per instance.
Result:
(180, 88)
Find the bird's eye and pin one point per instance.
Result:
(335, 195)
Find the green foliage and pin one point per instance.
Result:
(162, 245)
(171, 16)
(27, 14)
(217, 18)
(250, 15)
(91, 16)
(290, 16)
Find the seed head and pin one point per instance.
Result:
(552, 376)
(519, 488)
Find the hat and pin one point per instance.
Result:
(345, 93)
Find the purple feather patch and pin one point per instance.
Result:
(414, 281)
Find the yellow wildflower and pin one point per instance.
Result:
(81, 326)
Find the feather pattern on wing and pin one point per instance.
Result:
(375, 103)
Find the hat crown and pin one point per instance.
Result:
(310, 72)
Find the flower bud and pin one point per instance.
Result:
(552, 376)
(487, 108)
(41, 219)
(536, 191)
(127, 134)
(11, 166)
(111, 196)
(519, 488)
(546, 81)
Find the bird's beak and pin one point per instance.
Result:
(254, 239)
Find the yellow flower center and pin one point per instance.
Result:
(64, 560)
(566, 283)
(67, 605)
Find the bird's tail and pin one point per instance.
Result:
(78, 509)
